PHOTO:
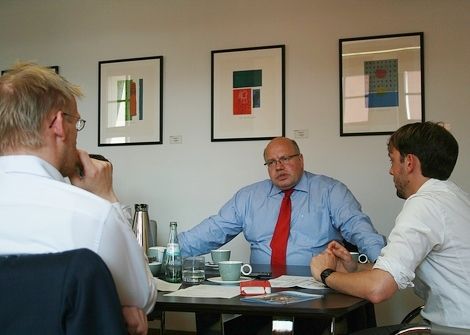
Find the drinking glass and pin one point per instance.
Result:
(193, 270)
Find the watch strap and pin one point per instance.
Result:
(325, 273)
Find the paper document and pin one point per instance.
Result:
(297, 281)
(207, 291)
(165, 286)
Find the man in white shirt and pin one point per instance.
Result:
(54, 197)
(428, 248)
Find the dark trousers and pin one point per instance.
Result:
(69, 293)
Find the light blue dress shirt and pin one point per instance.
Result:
(323, 209)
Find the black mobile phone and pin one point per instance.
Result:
(94, 156)
(261, 275)
(98, 157)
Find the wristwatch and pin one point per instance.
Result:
(325, 273)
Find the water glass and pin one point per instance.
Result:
(193, 270)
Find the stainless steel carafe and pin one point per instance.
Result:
(141, 225)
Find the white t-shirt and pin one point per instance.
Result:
(431, 240)
(40, 212)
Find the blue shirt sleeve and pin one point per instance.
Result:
(212, 232)
(353, 225)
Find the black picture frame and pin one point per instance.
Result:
(381, 83)
(54, 67)
(248, 93)
(130, 105)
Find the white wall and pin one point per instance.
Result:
(187, 182)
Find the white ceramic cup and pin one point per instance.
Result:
(359, 258)
(220, 255)
(152, 253)
(156, 253)
(231, 270)
(155, 268)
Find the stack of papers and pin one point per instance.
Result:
(297, 281)
(165, 286)
(207, 291)
(230, 291)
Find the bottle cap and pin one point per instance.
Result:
(141, 207)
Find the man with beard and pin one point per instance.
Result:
(428, 248)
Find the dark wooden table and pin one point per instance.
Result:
(358, 312)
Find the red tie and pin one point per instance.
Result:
(281, 232)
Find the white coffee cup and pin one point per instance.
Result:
(155, 268)
(359, 258)
(220, 255)
(231, 270)
(156, 253)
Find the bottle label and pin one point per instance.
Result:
(173, 249)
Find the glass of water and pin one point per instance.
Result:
(193, 270)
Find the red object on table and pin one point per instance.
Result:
(255, 287)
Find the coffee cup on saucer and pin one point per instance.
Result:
(231, 270)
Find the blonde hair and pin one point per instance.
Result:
(28, 94)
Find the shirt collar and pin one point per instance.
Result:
(302, 186)
(29, 164)
(428, 184)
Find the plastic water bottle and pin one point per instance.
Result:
(173, 261)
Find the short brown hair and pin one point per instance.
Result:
(28, 94)
(435, 147)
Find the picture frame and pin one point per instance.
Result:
(381, 83)
(247, 93)
(54, 67)
(130, 105)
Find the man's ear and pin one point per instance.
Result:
(57, 124)
(412, 163)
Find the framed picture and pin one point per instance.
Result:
(54, 67)
(247, 91)
(130, 107)
(381, 83)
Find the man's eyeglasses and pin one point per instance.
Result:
(80, 122)
(283, 160)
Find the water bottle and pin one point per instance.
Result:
(141, 225)
(173, 262)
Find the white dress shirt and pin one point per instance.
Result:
(41, 212)
(431, 240)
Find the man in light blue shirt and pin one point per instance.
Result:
(323, 209)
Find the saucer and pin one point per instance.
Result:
(212, 265)
(219, 280)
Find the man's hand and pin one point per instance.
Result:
(345, 261)
(96, 177)
(325, 260)
(135, 319)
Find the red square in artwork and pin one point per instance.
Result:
(242, 101)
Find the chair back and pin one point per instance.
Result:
(70, 292)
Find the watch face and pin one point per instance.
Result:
(325, 275)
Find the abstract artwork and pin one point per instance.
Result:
(247, 91)
(130, 105)
(381, 83)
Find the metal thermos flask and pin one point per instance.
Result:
(141, 225)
